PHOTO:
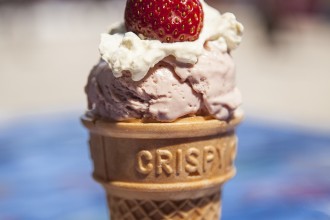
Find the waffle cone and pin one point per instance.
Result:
(163, 170)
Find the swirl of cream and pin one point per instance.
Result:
(126, 51)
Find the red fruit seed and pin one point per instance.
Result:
(165, 20)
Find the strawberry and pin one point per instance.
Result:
(165, 20)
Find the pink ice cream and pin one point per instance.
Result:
(140, 78)
(169, 90)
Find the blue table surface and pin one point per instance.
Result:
(45, 168)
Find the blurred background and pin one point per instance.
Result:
(47, 49)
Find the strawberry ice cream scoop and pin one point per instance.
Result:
(170, 90)
(169, 59)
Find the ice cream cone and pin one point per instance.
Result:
(163, 170)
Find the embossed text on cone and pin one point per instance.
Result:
(163, 170)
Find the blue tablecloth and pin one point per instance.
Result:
(45, 167)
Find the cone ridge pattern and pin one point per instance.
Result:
(204, 208)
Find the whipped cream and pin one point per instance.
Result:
(126, 51)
